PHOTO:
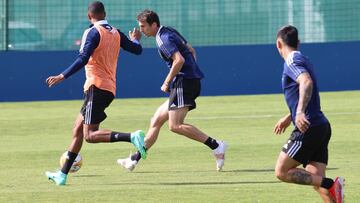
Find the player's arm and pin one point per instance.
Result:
(131, 45)
(296, 70)
(282, 124)
(305, 92)
(92, 39)
(192, 50)
(178, 62)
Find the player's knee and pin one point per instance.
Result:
(89, 137)
(175, 128)
(317, 189)
(280, 174)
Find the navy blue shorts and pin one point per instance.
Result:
(183, 93)
(310, 146)
(95, 102)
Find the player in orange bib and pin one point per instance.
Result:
(99, 53)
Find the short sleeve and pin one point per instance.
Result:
(295, 65)
(167, 45)
(183, 40)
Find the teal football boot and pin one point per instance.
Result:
(137, 138)
(58, 177)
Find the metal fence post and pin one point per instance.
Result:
(5, 24)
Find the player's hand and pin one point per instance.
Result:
(165, 88)
(53, 80)
(301, 122)
(135, 34)
(282, 124)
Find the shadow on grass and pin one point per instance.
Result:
(248, 170)
(187, 171)
(224, 171)
(195, 183)
(86, 176)
(261, 170)
(219, 183)
(207, 171)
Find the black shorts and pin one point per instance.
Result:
(311, 146)
(183, 93)
(96, 101)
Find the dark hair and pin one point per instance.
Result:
(149, 16)
(289, 35)
(96, 8)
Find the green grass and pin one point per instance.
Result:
(35, 134)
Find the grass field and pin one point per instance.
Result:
(35, 134)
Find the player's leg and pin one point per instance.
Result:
(296, 151)
(60, 177)
(93, 134)
(76, 144)
(94, 114)
(330, 190)
(177, 125)
(319, 169)
(181, 101)
(157, 121)
(309, 149)
(286, 171)
(77, 135)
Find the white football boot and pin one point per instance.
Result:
(127, 163)
(219, 154)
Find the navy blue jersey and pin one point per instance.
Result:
(90, 41)
(169, 41)
(295, 64)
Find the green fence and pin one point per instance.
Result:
(2, 25)
(58, 25)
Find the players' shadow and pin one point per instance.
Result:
(249, 170)
(194, 183)
(224, 171)
(161, 172)
(207, 171)
(219, 183)
(86, 176)
(259, 170)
